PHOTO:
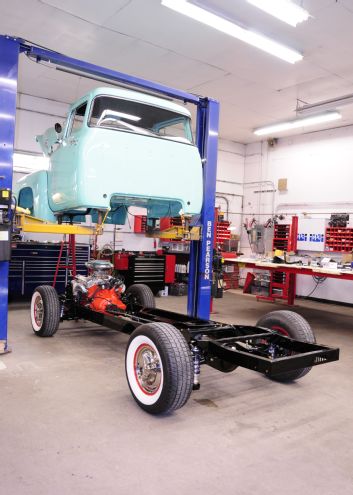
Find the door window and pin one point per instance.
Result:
(25, 199)
(77, 117)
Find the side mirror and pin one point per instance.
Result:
(58, 128)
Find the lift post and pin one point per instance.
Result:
(9, 52)
(199, 292)
(201, 252)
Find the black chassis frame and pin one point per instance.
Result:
(219, 345)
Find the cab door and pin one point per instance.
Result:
(62, 175)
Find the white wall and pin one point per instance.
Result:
(319, 170)
(230, 178)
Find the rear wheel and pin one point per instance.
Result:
(45, 311)
(291, 325)
(141, 294)
(159, 368)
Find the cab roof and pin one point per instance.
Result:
(128, 94)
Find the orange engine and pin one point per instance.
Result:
(101, 298)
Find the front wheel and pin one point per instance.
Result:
(291, 325)
(142, 295)
(159, 368)
(45, 311)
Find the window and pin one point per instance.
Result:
(25, 198)
(132, 116)
(171, 128)
(77, 117)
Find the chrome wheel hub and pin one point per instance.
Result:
(148, 369)
(38, 309)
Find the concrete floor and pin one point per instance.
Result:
(69, 425)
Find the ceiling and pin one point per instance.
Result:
(142, 38)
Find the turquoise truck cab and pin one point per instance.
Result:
(117, 148)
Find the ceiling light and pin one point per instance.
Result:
(332, 104)
(228, 27)
(297, 123)
(285, 10)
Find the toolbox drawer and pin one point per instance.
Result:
(34, 264)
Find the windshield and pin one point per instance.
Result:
(133, 116)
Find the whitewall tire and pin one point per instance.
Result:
(159, 368)
(144, 370)
(45, 311)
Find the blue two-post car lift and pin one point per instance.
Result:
(165, 349)
(200, 276)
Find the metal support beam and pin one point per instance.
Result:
(201, 252)
(9, 52)
(76, 66)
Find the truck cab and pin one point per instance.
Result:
(117, 148)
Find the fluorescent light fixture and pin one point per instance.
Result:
(297, 123)
(322, 106)
(285, 10)
(258, 40)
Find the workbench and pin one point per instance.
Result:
(292, 270)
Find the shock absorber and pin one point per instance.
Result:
(272, 351)
(196, 357)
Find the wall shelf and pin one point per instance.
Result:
(339, 239)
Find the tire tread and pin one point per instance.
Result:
(298, 328)
(143, 293)
(51, 305)
(178, 366)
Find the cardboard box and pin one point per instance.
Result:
(347, 258)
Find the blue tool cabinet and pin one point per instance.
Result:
(34, 263)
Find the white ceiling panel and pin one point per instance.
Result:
(160, 26)
(226, 88)
(96, 12)
(266, 70)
